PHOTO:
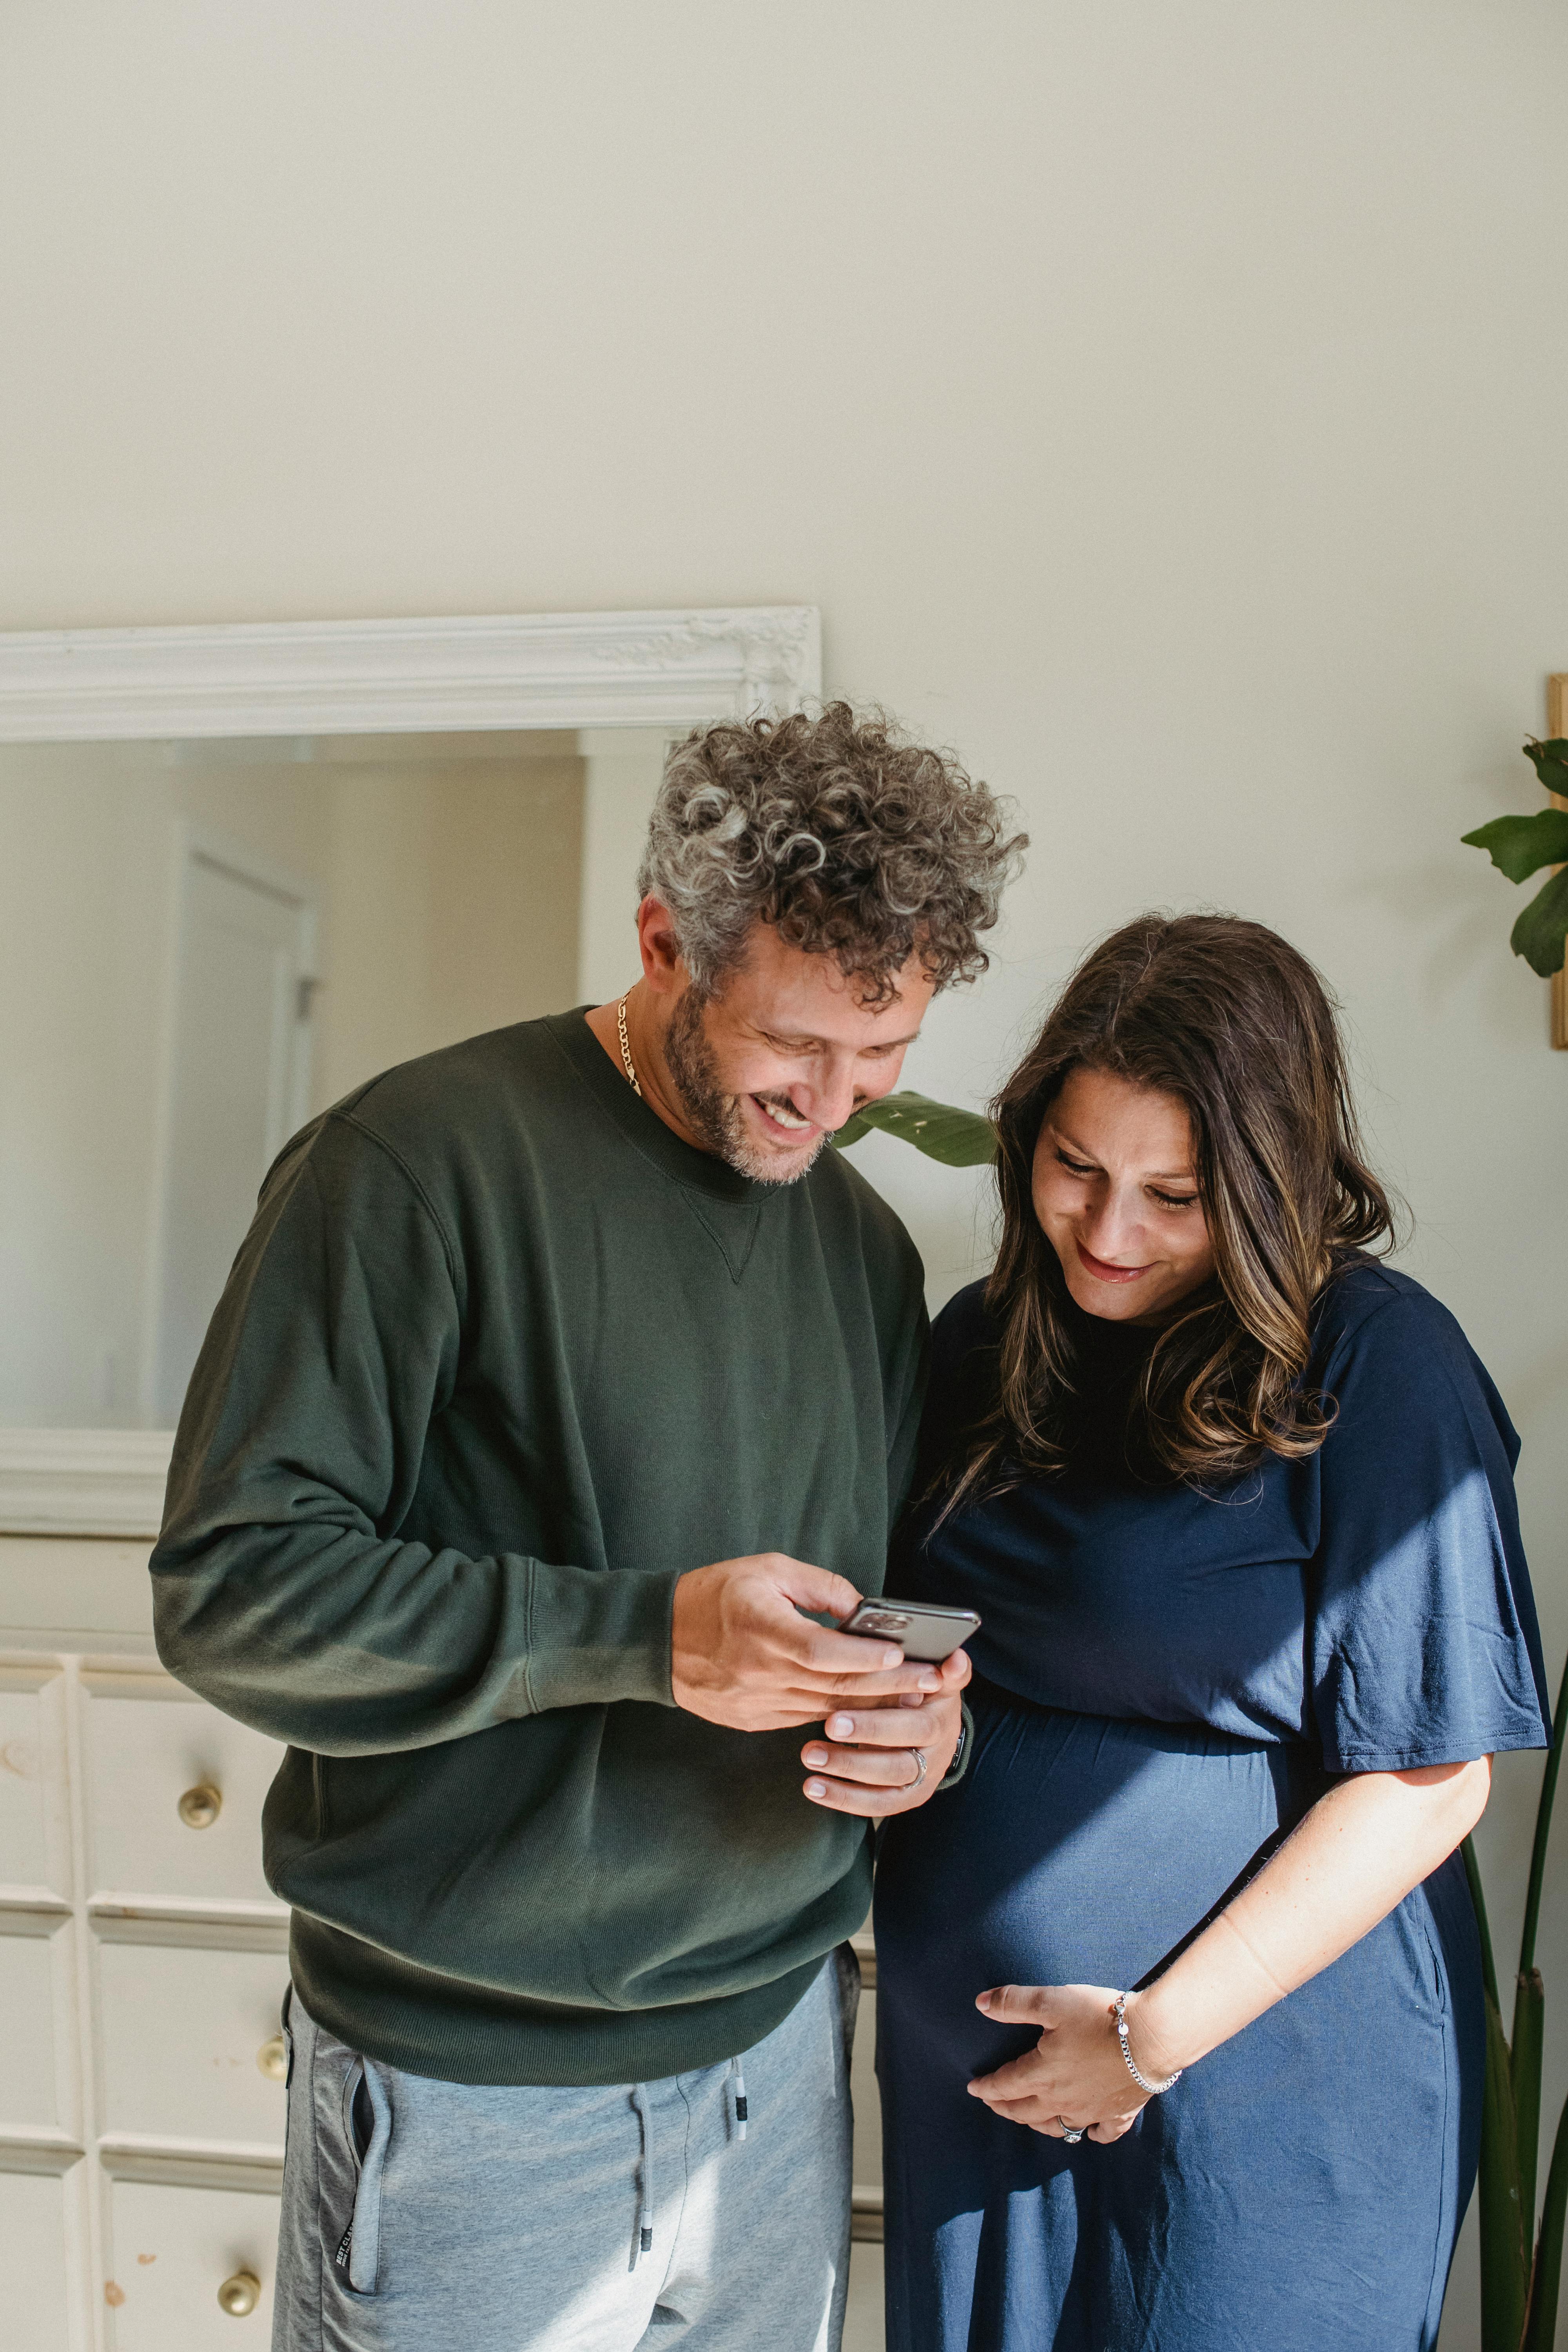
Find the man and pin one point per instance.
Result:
(560, 1400)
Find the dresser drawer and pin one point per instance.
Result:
(148, 1745)
(37, 1998)
(182, 2030)
(34, 1827)
(35, 2262)
(170, 2251)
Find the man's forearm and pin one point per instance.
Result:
(349, 1644)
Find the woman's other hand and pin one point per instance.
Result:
(1076, 2072)
(888, 1759)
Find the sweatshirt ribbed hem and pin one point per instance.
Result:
(426, 2024)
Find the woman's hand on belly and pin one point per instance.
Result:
(1075, 2075)
(1356, 1852)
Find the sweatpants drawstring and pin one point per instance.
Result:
(645, 2200)
(735, 2083)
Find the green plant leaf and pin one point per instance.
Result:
(1520, 845)
(1540, 932)
(1524, 2082)
(1483, 1928)
(1551, 762)
(959, 1138)
(1546, 2272)
(1545, 1802)
(1504, 2276)
(1504, 2256)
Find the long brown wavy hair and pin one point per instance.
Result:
(1227, 1016)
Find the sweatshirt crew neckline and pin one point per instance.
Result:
(701, 1172)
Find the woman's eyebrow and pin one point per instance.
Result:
(1153, 1176)
(1071, 1142)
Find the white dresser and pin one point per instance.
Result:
(143, 1962)
(142, 1966)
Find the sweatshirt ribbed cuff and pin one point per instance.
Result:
(594, 1636)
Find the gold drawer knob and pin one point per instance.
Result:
(200, 1806)
(240, 2294)
(273, 2059)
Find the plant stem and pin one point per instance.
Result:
(1505, 2258)
(1488, 1967)
(1524, 2075)
(1543, 1829)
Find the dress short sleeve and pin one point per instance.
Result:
(1422, 1637)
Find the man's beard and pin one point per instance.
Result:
(712, 1114)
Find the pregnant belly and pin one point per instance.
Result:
(1077, 1850)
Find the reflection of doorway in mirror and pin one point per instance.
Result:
(462, 882)
(621, 769)
(239, 1084)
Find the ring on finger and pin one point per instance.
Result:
(919, 1755)
(1071, 2133)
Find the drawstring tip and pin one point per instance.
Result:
(643, 2242)
(738, 2097)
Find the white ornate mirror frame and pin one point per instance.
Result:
(355, 677)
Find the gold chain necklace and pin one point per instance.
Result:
(625, 1049)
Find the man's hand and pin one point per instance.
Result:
(875, 1754)
(742, 1655)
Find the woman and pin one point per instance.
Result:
(1235, 1505)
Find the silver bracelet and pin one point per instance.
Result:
(1119, 2007)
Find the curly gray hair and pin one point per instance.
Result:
(848, 837)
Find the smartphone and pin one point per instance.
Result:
(921, 1630)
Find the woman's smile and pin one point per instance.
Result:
(1104, 1272)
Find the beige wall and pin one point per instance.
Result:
(1164, 404)
(454, 906)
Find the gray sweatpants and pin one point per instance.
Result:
(435, 2217)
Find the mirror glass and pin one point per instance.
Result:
(205, 943)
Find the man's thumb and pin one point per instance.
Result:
(819, 1590)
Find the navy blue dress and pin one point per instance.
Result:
(1167, 1680)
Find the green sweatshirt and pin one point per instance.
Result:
(500, 1360)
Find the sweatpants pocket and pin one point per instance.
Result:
(353, 2131)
